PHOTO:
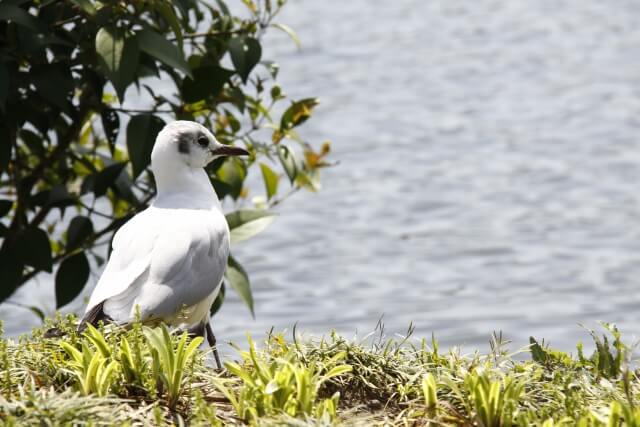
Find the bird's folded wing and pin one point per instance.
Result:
(130, 258)
(159, 268)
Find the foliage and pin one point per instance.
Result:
(169, 364)
(281, 385)
(74, 156)
(429, 391)
(41, 406)
(496, 400)
(93, 370)
(304, 382)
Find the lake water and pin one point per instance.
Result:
(489, 161)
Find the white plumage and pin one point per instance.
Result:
(168, 261)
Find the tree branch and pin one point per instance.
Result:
(208, 34)
(141, 111)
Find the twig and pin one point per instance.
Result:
(66, 21)
(92, 210)
(207, 34)
(286, 196)
(135, 110)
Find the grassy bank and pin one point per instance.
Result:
(148, 377)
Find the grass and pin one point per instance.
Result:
(144, 376)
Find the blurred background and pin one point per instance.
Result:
(487, 180)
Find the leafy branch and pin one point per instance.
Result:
(76, 149)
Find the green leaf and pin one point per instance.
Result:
(71, 277)
(109, 47)
(289, 163)
(289, 31)
(32, 140)
(163, 50)
(34, 249)
(141, 134)
(79, 229)
(111, 125)
(60, 196)
(87, 6)
(222, 188)
(5, 207)
(21, 17)
(309, 180)
(246, 223)
(217, 303)
(54, 83)
(123, 188)
(10, 270)
(168, 13)
(106, 178)
(57, 197)
(119, 57)
(223, 7)
(234, 123)
(241, 217)
(245, 54)
(337, 370)
(206, 82)
(128, 67)
(147, 67)
(233, 172)
(297, 113)
(270, 180)
(538, 354)
(239, 281)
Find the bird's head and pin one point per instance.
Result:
(189, 143)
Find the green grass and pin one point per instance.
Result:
(144, 376)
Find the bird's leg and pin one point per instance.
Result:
(197, 331)
(212, 342)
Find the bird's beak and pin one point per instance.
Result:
(229, 150)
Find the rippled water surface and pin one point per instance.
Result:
(488, 178)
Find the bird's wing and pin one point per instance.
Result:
(165, 262)
(130, 258)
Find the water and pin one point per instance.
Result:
(489, 161)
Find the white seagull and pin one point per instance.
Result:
(168, 260)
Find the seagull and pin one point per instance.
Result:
(168, 261)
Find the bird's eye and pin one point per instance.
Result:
(203, 141)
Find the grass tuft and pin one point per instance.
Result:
(145, 376)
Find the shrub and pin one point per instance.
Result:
(70, 143)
